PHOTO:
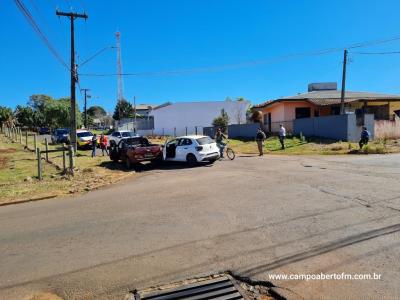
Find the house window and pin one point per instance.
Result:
(335, 110)
(303, 112)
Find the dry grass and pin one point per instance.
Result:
(43, 296)
(18, 174)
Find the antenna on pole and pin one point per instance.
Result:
(120, 87)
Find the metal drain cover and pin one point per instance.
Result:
(221, 288)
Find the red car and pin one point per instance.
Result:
(134, 150)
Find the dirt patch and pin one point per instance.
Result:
(43, 296)
(3, 162)
(7, 150)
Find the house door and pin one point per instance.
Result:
(267, 121)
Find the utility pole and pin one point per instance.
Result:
(343, 94)
(134, 108)
(85, 107)
(72, 17)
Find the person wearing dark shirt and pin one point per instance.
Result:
(94, 145)
(365, 135)
(219, 139)
(260, 138)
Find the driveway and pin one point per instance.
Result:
(254, 216)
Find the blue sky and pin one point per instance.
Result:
(187, 34)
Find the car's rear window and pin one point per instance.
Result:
(128, 134)
(62, 131)
(138, 141)
(84, 134)
(204, 140)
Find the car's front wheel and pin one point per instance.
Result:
(191, 160)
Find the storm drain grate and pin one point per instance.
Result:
(221, 288)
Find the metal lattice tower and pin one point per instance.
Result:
(119, 68)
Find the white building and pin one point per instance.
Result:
(190, 117)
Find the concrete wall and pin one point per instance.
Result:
(387, 129)
(339, 127)
(178, 116)
(236, 131)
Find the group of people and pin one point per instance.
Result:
(260, 138)
(103, 144)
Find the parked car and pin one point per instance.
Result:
(191, 149)
(133, 150)
(84, 139)
(60, 135)
(44, 130)
(116, 136)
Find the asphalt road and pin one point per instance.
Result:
(253, 216)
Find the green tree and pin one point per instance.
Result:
(222, 120)
(6, 116)
(123, 109)
(57, 113)
(25, 116)
(96, 111)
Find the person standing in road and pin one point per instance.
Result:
(282, 135)
(219, 139)
(94, 145)
(260, 138)
(365, 135)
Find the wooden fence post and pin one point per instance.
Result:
(39, 159)
(20, 136)
(47, 149)
(64, 161)
(26, 140)
(34, 141)
(71, 158)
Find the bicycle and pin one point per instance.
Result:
(229, 151)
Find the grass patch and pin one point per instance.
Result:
(18, 173)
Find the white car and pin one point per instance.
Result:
(191, 149)
(116, 136)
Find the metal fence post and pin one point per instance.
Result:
(47, 149)
(186, 130)
(195, 128)
(39, 159)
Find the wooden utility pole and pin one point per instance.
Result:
(134, 113)
(343, 94)
(85, 107)
(72, 17)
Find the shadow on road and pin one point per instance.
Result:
(150, 166)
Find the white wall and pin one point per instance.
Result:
(191, 114)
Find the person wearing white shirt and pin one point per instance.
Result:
(282, 135)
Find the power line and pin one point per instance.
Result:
(95, 55)
(376, 53)
(41, 35)
(219, 68)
